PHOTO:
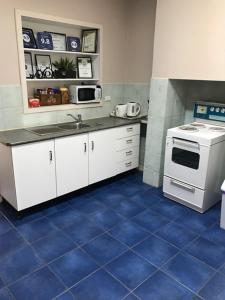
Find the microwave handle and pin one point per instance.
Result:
(98, 93)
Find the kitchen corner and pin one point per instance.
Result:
(112, 150)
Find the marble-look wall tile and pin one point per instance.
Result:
(10, 96)
(138, 92)
(12, 116)
(167, 109)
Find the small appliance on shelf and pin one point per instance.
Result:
(82, 94)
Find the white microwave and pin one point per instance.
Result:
(81, 94)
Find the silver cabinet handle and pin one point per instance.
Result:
(129, 129)
(128, 153)
(92, 145)
(85, 147)
(129, 141)
(183, 186)
(128, 164)
(50, 155)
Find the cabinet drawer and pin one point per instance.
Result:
(127, 165)
(129, 130)
(185, 192)
(128, 142)
(125, 154)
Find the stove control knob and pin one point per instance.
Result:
(212, 109)
(217, 109)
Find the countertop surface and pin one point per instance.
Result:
(23, 136)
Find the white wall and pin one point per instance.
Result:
(190, 39)
(123, 22)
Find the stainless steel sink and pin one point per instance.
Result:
(44, 130)
(72, 126)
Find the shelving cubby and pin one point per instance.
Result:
(38, 23)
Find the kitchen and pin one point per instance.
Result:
(78, 217)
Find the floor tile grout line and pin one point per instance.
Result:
(209, 281)
(180, 283)
(46, 264)
(174, 278)
(115, 225)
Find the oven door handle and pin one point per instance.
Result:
(186, 143)
(184, 186)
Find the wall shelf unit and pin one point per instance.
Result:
(60, 52)
(38, 23)
(61, 79)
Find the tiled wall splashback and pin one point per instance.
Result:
(11, 107)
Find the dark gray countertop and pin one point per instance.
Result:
(22, 136)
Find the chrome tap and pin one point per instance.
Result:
(77, 119)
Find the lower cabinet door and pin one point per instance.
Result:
(102, 155)
(71, 163)
(34, 173)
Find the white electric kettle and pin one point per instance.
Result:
(121, 110)
(133, 109)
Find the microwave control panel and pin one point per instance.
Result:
(210, 111)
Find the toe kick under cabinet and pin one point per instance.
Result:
(37, 172)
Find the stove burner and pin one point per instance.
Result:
(199, 125)
(216, 128)
(188, 128)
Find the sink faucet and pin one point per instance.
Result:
(77, 119)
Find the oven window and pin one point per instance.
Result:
(86, 94)
(185, 158)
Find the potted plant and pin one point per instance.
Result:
(65, 68)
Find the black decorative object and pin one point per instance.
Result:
(28, 65)
(65, 68)
(73, 44)
(89, 40)
(44, 40)
(43, 66)
(28, 38)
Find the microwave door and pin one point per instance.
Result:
(86, 95)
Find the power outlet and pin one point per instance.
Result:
(107, 98)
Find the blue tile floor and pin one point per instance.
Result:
(119, 239)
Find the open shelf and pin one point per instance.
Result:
(61, 79)
(70, 27)
(60, 52)
(62, 107)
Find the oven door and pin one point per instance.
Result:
(186, 161)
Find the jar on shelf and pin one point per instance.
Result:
(65, 95)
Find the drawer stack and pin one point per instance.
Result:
(127, 147)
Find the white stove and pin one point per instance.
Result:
(195, 158)
(203, 133)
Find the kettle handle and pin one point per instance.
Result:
(138, 109)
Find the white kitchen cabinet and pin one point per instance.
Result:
(36, 172)
(102, 155)
(71, 163)
(28, 173)
(104, 151)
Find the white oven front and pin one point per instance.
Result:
(186, 161)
